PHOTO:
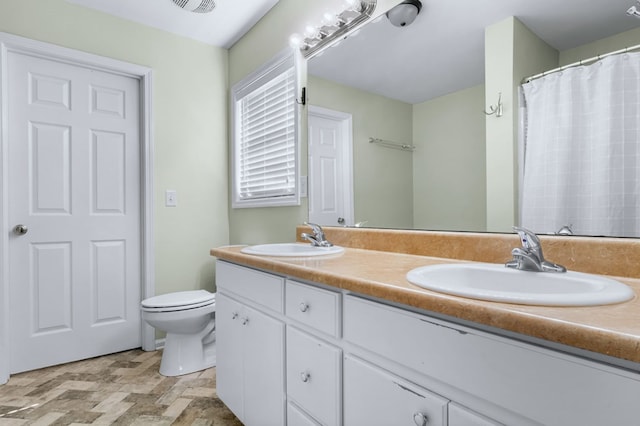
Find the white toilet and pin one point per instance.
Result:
(188, 318)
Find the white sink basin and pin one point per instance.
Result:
(500, 284)
(291, 250)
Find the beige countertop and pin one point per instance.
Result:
(612, 330)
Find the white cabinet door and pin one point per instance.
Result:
(229, 365)
(250, 364)
(264, 380)
(374, 397)
(461, 416)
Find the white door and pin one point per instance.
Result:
(330, 175)
(74, 183)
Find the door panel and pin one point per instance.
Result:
(108, 172)
(329, 184)
(109, 281)
(50, 288)
(49, 153)
(74, 181)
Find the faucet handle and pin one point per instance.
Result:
(317, 229)
(530, 257)
(318, 238)
(529, 239)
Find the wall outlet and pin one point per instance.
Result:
(170, 198)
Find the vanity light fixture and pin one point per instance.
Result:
(634, 10)
(198, 6)
(333, 27)
(404, 13)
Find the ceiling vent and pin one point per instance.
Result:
(198, 6)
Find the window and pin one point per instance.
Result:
(265, 136)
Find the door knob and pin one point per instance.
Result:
(341, 220)
(20, 229)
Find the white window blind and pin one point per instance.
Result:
(265, 140)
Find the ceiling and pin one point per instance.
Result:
(222, 27)
(443, 50)
(443, 47)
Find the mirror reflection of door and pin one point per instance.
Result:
(330, 167)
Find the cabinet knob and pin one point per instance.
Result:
(234, 315)
(305, 376)
(304, 307)
(245, 321)
(420, 419)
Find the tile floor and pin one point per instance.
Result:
(118, 389)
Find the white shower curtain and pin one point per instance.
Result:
(582, 149)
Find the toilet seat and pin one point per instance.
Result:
(178, 301)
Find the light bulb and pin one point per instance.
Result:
(310, 31)
(329, 19)
(355, 5)
(295, 40)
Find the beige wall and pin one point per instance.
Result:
(383, 178)
(448, 164)
(189, 125)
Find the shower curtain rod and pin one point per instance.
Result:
(582, 62)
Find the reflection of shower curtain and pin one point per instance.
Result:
(582, 149)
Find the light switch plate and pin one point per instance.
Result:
(170, 198)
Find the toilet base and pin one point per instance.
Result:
(185, 354)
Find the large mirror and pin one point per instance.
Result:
(412, 101)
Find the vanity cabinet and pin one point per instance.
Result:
(349, 360)
(250, 345)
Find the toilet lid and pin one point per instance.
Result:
(180, 299)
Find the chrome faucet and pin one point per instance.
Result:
(529, 257)
(317, 239)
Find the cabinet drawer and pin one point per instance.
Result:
(258, 287)
(312, 306)
(461, 416)
(497, 369)
(295, 417)
(374, 397)
(313, 376)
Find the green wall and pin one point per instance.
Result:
(512, 52)
(383, 177)
(449, 162)
(189, 125)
